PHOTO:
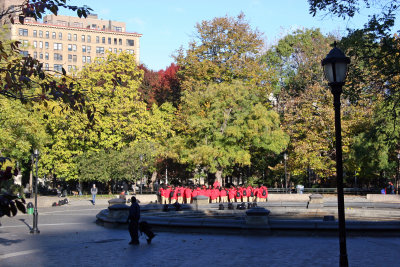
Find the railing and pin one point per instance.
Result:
(351, 191)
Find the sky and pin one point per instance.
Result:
(167, 25)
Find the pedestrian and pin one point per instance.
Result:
(79, 188)
(390, 189)
(93, 191)
(133, 221)
(134, 225)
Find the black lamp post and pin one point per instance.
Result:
(397, 173)
(285, 157)
(35, 229)
(141, 173)
(335, 69)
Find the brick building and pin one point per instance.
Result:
(71, 42)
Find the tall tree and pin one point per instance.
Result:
(226, 49)
(222, 124)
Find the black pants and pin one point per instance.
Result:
(133, 231)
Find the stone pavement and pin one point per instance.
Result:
(69, 237)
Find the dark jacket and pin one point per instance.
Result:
(134, 212)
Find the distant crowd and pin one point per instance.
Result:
(215, 194)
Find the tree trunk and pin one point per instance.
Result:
(153, 179)
(218, 176)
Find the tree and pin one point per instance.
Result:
(305, 104)
(122, 119)
(221, 124)
(21, 75)
(226, 49)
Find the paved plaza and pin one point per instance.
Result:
(70, 237)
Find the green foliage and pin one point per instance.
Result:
(223, 123)
(226, 49)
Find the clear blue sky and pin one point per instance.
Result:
(167, 25)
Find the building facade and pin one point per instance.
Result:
(71, 42)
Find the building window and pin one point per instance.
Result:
(83, 59)
(74, 47)
(40, 44)
(34, 44)
(103, 40)
(69, 47)
(69, 58)
(46, 56)
(24, 53)
(75, 37)
(53, 35)
(120, 41)
(69, 68)
(57, 56)
(25, 43)
(57, 46)
(109, 40)
(35, 54)
(23, 32)
(46, 66)
(115, 50)
(74, 58)
(58, 67)
(115, 41)
(89, 48)
(120, 50)
(46, 45)
(88, 60)
(34, 33)
(110, 49)
(41, 55)
(89, 38)
(47, 35)
(84, 48)
(97, 39)
(83, 38)
(118, 29)
(40, 33)
(60, 35)
(99, 50)
(130, 42)
(69, 37)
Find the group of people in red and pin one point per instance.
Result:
(216, 193)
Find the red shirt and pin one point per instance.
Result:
(188, 193)
(166, 192)
(232, 193)
(216, 184)
(222, 193)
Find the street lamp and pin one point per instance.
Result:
(335, 69)
(285, 157)
(141, 173)
(397, 174)
(35, 229)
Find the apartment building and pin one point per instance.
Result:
(71, 42)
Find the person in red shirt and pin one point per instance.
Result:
(263, 193)
(172, 195)
(161, 194)
(231, 194)
(250, 196)
(179, 194)
(166, 195)
(243, 192)
(196, 192)
(216, 184)
(223, 195)
(238, 195)
(188, 195)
